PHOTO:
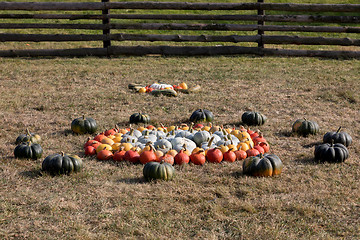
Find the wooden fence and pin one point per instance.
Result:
(159, 28)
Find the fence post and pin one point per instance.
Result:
(106, 21)
(260, 12)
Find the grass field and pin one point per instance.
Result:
(110, 200)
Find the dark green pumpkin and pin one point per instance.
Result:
(28, 150)
(158, 170)
(139, 118)
(26, 137)
(305, 127)
(338, 137)
(83, 125)
(329, 152)
(201, 115)
(57, 164)
(253, 118)
(263, 165)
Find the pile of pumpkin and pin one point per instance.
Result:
(159, 148)
(197, 143)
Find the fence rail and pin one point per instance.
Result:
(224, 23)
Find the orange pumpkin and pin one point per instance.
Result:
(148, 156)
(198, 158)
(104, 154)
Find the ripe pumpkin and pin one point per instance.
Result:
(148, 156)
(158, 170)
(57, 164)
(262, 165)
(201, 115)
(119, 155)
(338, 137)
(330, 152)
(253, 118)
(182, 158)
(139, 118)
(90, 150)
(28, 150)
(305, 127)
(240, 154)
(198, 157)
(214, 155)
(104, 154)
(84, 125)
(229, 156)
(32, 137)
(167, 158)
(132, 156)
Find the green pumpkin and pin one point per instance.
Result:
(32, 137)
(83, 125)
(158, 170)
(201, 115)
(329, 152)
(305, 127)
(139, 118)
(338, 137)
(263, 165)
(28, 150)
(57, 164)
(253, 118)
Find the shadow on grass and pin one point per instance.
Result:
(136, 180)
(313, 144)
(306, 161)
(237, 174)
(284, 133)
(35, 173)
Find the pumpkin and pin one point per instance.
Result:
(240, 154)
(229, 156)
(201, 115)
(330, 152)
(179, 142)
(111, 131)
(263, 165)
(201, 136)
(84, 125)
(252, 151)
(163, 145)
(198, 157)
(338, 137)
(139, 118)
(28, 150)
(32, 137)
(214, 155)
(90, 150)
(104, 154)
(148, 156)
(158, 170)
(182, 158)
(168, 158)
(119, 155)
(253, 118)
(305, 127)
(57, 164)
(132, 156)
(265, 146)
(103, 146)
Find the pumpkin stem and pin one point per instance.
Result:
(83, 116)
(211, 140)
(338, 130)
(62, 154)
(28, 132)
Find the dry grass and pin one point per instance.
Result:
(111, 200)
